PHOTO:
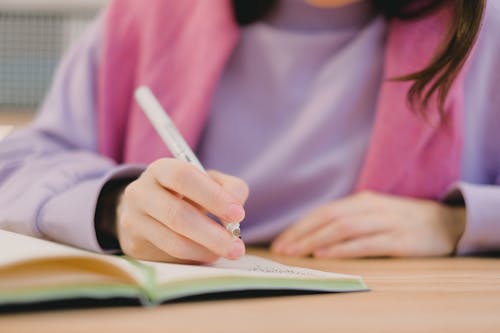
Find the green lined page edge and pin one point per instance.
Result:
(192, 287)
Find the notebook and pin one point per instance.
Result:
(34, 270)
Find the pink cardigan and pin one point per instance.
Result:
(179, 49)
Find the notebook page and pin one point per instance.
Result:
(247, 265)
(17, 248)
(260, 265)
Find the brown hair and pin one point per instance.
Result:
(439, 75)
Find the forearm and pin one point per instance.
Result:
(50, 192)
(46, 191)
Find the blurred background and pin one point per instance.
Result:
(34, 34)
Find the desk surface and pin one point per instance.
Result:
(408, 295)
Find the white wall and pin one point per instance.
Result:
(34, 34)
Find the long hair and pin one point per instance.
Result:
(438, 76)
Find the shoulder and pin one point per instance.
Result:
(485, 60)
(488, 37)
(481, 93)
(483, 74)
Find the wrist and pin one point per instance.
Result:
(456, 222)
(459, 216)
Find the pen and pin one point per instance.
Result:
(171, 136)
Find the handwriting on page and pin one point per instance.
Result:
(280, 270)
(260, 265)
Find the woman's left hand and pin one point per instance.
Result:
(370, 224)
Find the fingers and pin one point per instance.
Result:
(335, 232)
(163, 214)
(186, 180)
(185, 220)
(371, 224)
(378, 245)
(307, 225)
(316, 220)
(233, 185)
(157, 243)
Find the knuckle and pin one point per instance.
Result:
(162, 167)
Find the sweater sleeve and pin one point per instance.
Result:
(482, 232)
(50, 171)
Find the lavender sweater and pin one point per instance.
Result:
(292, 116)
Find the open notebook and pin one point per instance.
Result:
(34, 271)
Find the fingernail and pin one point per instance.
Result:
(235, 213)
(237, 249)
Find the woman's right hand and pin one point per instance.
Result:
(162, 216)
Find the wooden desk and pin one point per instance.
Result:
(410, 295)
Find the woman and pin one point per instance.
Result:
(362, 128)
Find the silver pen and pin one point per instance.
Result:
(171, 136)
